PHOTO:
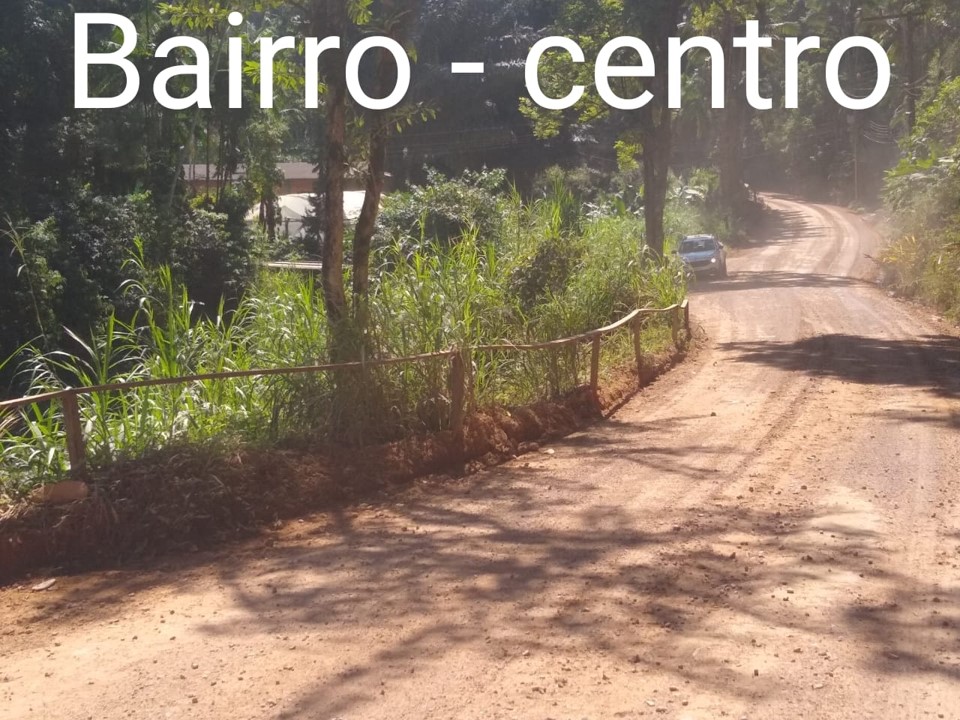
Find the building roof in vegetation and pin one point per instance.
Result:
(290, 170)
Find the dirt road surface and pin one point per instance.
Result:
(770, 531)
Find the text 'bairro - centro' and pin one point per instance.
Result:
(622, 57)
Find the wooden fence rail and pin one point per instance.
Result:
(457, 379)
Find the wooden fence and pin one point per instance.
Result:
(73, 427)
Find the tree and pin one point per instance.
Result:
(725, 20)
(86, 182)
(396, 23)
(351, 21)
(647, 131)
(331, 16)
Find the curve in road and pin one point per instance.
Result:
(769, 531)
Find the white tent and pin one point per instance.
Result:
(294, 208)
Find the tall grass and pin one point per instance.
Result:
(576, 273)
(923, 259)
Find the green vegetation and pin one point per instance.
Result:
(923, 194)
(544, 270)
(115, 266)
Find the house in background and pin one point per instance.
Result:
(294, 193)
(299, 178)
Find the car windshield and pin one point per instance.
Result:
(698, 245)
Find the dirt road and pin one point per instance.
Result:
(770, 531)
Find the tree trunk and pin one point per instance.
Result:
(333, 220)
(657, 144)
(910, 51)
(367, 222)
(376, 172)
(731, 124)
(332, 18)
(655, 183)
(398, 24)
(656, 120)
(270, 210)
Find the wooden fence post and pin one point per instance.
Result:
(595, 368)
(471, 399)
(675, 326)
(76, 447)
(686, 317)
(458, 392)
(637, 347)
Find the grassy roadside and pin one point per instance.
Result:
(922, 198)
(185, 497)
(462, 264)
(494, 270)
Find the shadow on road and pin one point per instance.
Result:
(485, 577)
(950, 420)
(781, 226)
(504, 564)
(771, 279)
(931, 362)
(648, 446)
(494, 576)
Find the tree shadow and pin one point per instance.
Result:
(603, 562)
(657, 455)
(931, 362)
(782, 226)
(950, 420)
(772, 279)
(511, 563)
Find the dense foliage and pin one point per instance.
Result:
(923, 194)
(451, 291)
(103, 237)
(76, 187)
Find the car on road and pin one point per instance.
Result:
(703, 255)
